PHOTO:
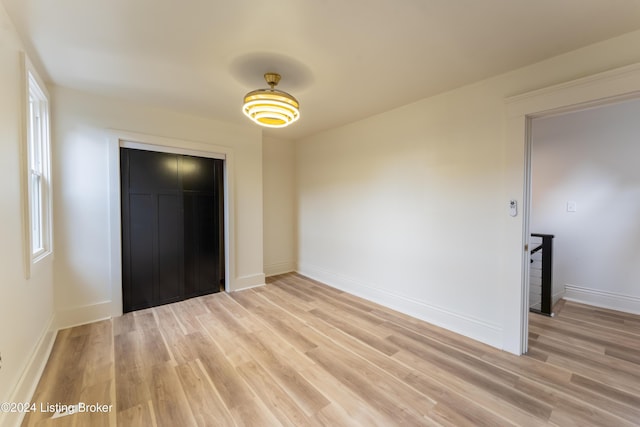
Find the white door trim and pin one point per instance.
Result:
(600, 89)
(119, 139)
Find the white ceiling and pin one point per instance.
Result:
(343, 59)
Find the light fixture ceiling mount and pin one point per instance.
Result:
(271, 107)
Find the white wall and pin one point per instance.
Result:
(26, 306)
(278, 169)
(82, 124)
(410, 208)
(591, 158)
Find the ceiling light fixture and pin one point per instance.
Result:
(271, 107)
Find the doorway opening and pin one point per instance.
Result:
(602, 89)
(585, 187)
(172, 227)
(151, 143)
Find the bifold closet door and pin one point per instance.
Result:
(203, 194)
(171, 227)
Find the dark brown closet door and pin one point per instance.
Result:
(172, 227)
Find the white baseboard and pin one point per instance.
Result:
(74, 316)
(476, 329)
(604, 299)
(557, 297)
(249, 287)
(279, 268)
(246, 282)
(28, 382)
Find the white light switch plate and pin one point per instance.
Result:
(571, 207)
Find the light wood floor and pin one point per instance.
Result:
(296, 352)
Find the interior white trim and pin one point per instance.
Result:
(526, 216)
(610, 300)
(76, 316)
(26, 386)
(557, 297)
(172, 150)
(34, 263)
(249, 281)
(118, 139)
(279, 268)
(588, 92)
(610, 86)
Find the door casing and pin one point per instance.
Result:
(588, 92)
(125, 139)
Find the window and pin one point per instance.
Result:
(38, 168)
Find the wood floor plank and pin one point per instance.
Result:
(627, 355)
(132, 388)
(297, 352)
(234, 392)
(326, 299)
(293, 290)
(593, 365)
(354, 331)
(219, 368)
(123, 324)
(369, 386)
(615, 413)
(369, 367)
(483, 397)
(467, 361)
(452, 408)
(287, 336)
(609, 392)
(277, 320)
(588, 332)
(602, 317)
(80, 369)
(497, 388)
(546, 336)
(138, 415)
(454, 340)
(206, 405)
(290, 303)
(351, 408)
(283, 406)
(304, 393)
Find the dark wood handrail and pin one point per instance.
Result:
(547, 271)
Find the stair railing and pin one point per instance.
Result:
(540, 300)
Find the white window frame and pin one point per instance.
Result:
(37, 205)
